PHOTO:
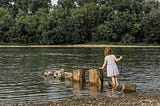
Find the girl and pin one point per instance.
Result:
(112, 69)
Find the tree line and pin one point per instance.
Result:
(79, 21)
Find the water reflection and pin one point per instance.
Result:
(78, 86)
(94, 90)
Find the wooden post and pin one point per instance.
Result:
(96, 77)
(79, 75)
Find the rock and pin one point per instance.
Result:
(68, 76)
(58, 74)
(48, 73)
(129, 87)
(118, 88)
(109, 85)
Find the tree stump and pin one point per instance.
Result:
(95, 77)
(79, 75)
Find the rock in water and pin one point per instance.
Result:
(109, 85)
(129, 87)
(118, 88)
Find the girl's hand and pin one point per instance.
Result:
(100, 68)
(121, 57)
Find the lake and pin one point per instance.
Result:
(22, 80)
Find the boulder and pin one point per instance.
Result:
(129, 87)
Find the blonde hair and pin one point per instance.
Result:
(107, 51)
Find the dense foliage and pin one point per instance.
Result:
(79, 21)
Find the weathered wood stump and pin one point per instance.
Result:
(79, 75)
(129, 87)
(95, 77)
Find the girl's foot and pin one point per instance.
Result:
(109, 85)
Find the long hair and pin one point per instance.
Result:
(107, 51)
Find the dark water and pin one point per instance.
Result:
(21, 71)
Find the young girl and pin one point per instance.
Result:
(112, 69)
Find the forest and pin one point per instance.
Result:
(79, 22)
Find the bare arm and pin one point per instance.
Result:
(118, 59)
(104, 63)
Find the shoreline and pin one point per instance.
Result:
(149, 99)
(76, 46)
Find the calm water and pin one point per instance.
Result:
(21, 71)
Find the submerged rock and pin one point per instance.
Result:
(58, 74)
(129, 87)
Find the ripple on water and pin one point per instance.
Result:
(21, 72)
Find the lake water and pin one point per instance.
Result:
(21, 71)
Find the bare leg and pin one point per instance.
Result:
(113, 81)
(116, 81)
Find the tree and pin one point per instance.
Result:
(54, 30)
(91, 17)
(26, 28)
(6, 23)
(5, 3)
(121, 27)
(79, 21)
(27, 6)
(75, 29)
(67, 4)
(43, 26)
(34, 5)
(151, 25)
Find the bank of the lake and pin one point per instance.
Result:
(149, 99)
(80, 46)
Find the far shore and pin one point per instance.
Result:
(76, 46)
